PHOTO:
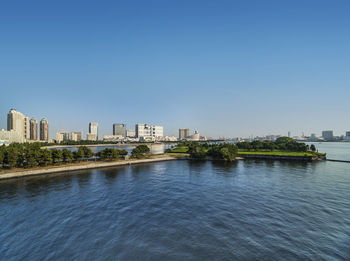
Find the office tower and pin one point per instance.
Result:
(289, 134)
(44, 130)
(15, 121)
(119, 129)
(93, 129)
(75, 136)
(33, 129)
(327, 135)
(184, 133)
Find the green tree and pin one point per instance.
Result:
(2, 155)
(140, 151)
(57, 155)
(45, 157)
(87, 152)
(67, 156)
(312, 148)
(31, 155)
(79, 155)
(11, 157)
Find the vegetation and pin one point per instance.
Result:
(283, 146)
(28, 155)
(111, 154)
(140, 151)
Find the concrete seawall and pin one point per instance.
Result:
(275, 157)
(88, 165)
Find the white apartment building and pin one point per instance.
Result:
(148, 131)
(75, 136)
(16, 122)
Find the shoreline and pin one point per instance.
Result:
(87, 165)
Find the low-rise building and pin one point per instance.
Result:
(328, 135)
(7, 137)
(131, 133)
(75, 136)
(91, 137)
(113, 138)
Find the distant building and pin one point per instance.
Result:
(93, 129)
(44, 130)
(62, 136)
(347, 136)
(194, 137)
(7, 137)
(33, 129)
(119, 129)
(145, 131)
(26, 128)
(91, 137)
(113, 137)
(289, 134)
(184, 133)
(328, 135)
(313, 137)
(157, 131)
(131, 133)
(75, 136)
(15, 121)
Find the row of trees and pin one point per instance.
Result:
(28, 155)
(223, 151)
(281, 144)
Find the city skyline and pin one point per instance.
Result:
(225, 68)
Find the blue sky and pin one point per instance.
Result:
(225, 68)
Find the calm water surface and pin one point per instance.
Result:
(180, 210)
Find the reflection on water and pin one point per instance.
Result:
(180, 210)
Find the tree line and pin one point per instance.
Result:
(28, 155)
(281, 144)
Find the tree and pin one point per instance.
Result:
(87, 152)
(45, 157)
(57, 155)
(79, 155)
(140, 151)
(2, 155)
(312, 148)
(31, 155)
(11, 157)
(197, 152)
(67, 156)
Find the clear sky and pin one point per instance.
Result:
(232, 68)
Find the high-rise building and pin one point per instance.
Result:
(75, 136)
(184, 133)
(93, 129)
(147, 131)
(91, 137)
(327, 135)
(26, 128)
(347, 134)
(15, 121)
(119, 129)
(44, 130)
(33, 129)
(289, 134)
